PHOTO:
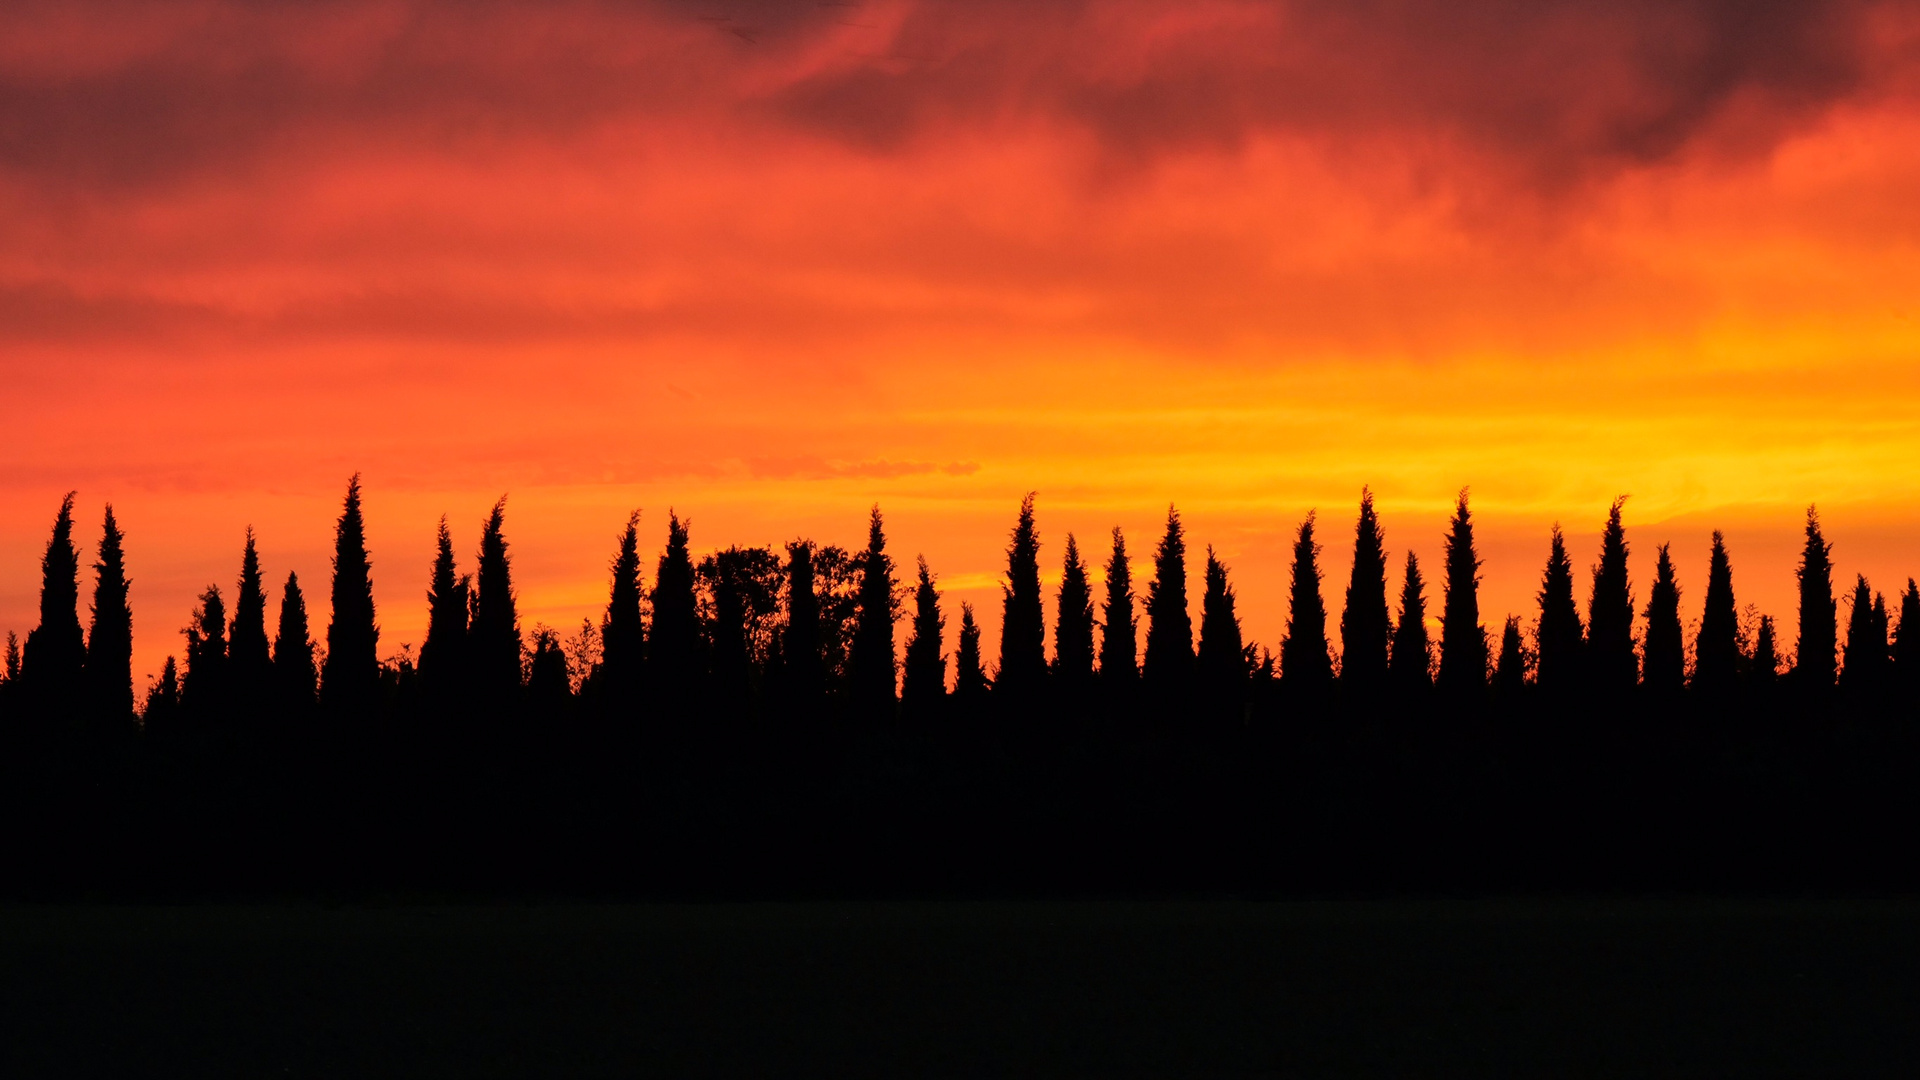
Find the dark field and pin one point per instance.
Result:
(1398, 987)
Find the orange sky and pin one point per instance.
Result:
(770, 263)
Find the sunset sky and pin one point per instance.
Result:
(770, 263)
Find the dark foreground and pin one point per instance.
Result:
(1468, 987)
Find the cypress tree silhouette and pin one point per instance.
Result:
(1665, 664)
(925, 682)
(674, 657)
(1612, 666)
(970, 680)
(1221, 664)
(623, 634)
(1073, 625)
(1813, 665)
(1305, 664)
(1412, 657)
(1463, 641)
(442, 654)
(1866, 649)
(1510, 672)
(162, 709)
(494, 640)
(12, 678)
(249, 663)
(873, 658)
(54, 660)
(1119, 643)
(801, 645)
(109, 660)
(1906, 645)
(204, 691)
(1023, 626)
(1716, 652)
(1560, 637)
(549, 685)
(1765, 665)
(727, 630)
(1883, 661)
(350, 680)
(294, 673)
(1168, 665)
(1365, 626)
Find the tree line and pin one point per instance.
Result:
(814, 626)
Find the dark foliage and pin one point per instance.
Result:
(1560, 637)
(623, 634)
(1306, 665)
(1814, 659)
(1510, 671)
(673, 656)
(1716, 664)
(109, 661)
(350, 679)
(924, 683)
(56, 651)
(1023, 626)
(1365, 625)
(970, 679)
(295, 675)
(443, 655)
(1463, 641)
(1221, 662)
(1073, 624)
(1612, 665)
(493, 641)
(249, 660)
(801, 647)
(1411, 662)
(1168, 665)
(1119, 641)
(873, 659)
(1665, 666)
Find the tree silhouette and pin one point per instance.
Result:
(806, 677)
(548, 684)
(1119, 649)
(52, 664)
(925, 681)
(204, 691)
(294, 672)
(1765, 665)
(1906, 644)
(1365, 626)
(494, 639)
(623, 634)
(729, 647)
(674, 651)
(1612, 665)
(1305, 665)
(1665, 664)
(1168, 664)
(873, 658)
(1510, 671)
(1813, 665)
(1866, 649)
(162, 708)
(1073, 624)
(1560, 637)
(350, 679)
(108, 666)
(249, 661)
(1716, 652)
(1220, 664)
(1463, 641)
(970, 680)
(1412, 655)
(1023, 626)
(443, 653)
